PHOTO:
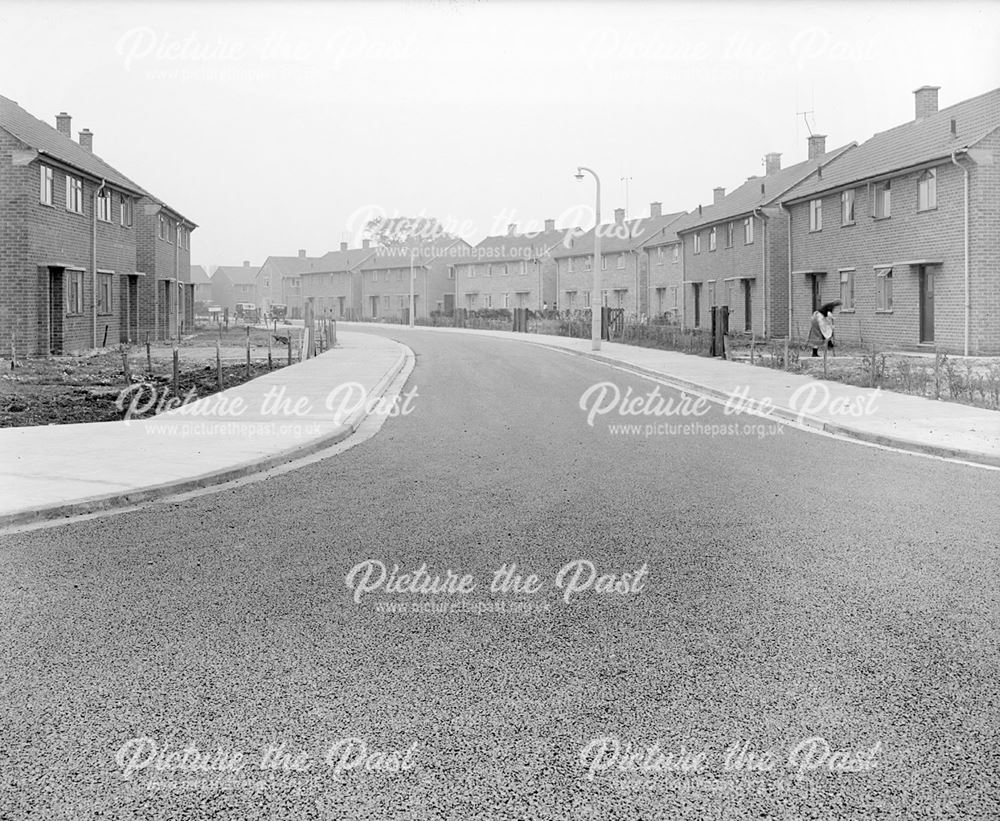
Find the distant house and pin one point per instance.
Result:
(73, 272)
(163, 251)
(201, 282)
(666, 274)
(385, 278)
(510, 271)
(235, 283)
(279, 282)
(904, 231)
(334, 286)
(624, 273)
(734, 252)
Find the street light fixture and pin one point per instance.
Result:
(412, 300)
(595, 293)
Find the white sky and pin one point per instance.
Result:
(272, 125)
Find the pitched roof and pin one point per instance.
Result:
(518, 247)
(910, 144)
(756, 192)
(334, 262)
(626, 236)
(199, 276)
(289, 266)
(238, 274)
(424, 251)
(51, 142)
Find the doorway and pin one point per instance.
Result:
(926, 304)
(747, 307)
(57, 312)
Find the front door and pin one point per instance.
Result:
(926, 304)
(816, 292)
(449, 303)
(374, 300)
(697, 305)
(57, 310)
(747, 306)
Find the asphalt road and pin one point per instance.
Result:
(781, 587)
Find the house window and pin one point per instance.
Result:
(488, 300)
(104, 282)
(74, 194)
(524, 268)
(374, 276)
(104, 201)
(184, 237)
(125, 210)
(730, 234)
(847, 207)
(712, 239)
(570, 299)
(385, 302)
(45, 185)
(451, 272)
(748, 231)
(604, 262)
(588, 264)
(163, 227)
(503, 269)
(816, 215)
(697, 243)
(506, 300)
(883, 289)
(847, 289)
(883, 200)
(659, 255)
(586, 299)
(711, 293)
(74, 292)
(621, 261)
(489, 269)
(677, 254)
(927, 190)
(569, 265)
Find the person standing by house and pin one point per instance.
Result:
(821, 328)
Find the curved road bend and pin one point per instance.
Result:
(795, 587)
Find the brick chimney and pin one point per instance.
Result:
(772, 163)
(619, 216)
(366, 243)
(656, 209)
(246, 263)
(87, 140)
(62, 124)
(926, 101)
(302, 253)
(343, 247)
(817, 146)
(511, 229)
(550, 225)
(718, 195)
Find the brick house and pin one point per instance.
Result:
(201, 282)
(235, 283)
(666, 276)
(624, 271)
(279, 282)
(334, 287)
(905, 230)
(511, 271)
(734, 252)
(163, 255)
(385, 277)
(72, 276)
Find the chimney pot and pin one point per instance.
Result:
(63, 121)
(656, 209)
(925, 101)
(366, 243)
(87, 140)
(718, 195)
(246, 263)
(512, 229)
(772, 163)
(302, 253)
(619, 216)
(343, 246)
(817, 146)
(550, 225)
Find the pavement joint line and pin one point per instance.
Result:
(806, 422)
(133, 499)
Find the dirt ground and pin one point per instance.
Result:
(61, 390)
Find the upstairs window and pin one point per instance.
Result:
(621, 260)
(588, 264)
(524, 269)
(489, 269)
(74, 194)
(847, 207)
(730, 233)
(711, 239)
(104, 200)
(604, 262)
(659, 255)
(748, 231)
(927, 190)
(677, 253)
(45, 185)
(163, 227)
(125, 210)
(883, 200)
(569, 265)
(697, 243)
(816, 215)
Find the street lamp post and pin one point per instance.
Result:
(595, 293)
(411, 287)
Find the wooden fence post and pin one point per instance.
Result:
(218, 365)
(248, 351)
(177, 371)
(125, 366)
(149, 356)
(786, 353)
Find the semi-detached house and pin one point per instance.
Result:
(905, 231)
(333, 287)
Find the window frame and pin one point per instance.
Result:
(73, 307)
(882, 196)
(46, 185)
(697, 242)
(815, 215)
(848, 196)
(748, 231)
(105, 280)
(74, 194)
(105, 205)
(928, 174)
(730, 233)
(883, 289)
(621, 262)
(847, 276)
(713, 238)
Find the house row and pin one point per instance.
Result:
(88, 257)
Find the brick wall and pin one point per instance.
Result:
(664, 281)
(624, 285)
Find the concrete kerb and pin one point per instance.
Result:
(96, 504)
(786, 414)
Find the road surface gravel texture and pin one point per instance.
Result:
(797, 627)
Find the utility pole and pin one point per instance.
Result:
(625, 180)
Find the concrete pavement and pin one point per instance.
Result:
(62, 470)
(911, 423)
